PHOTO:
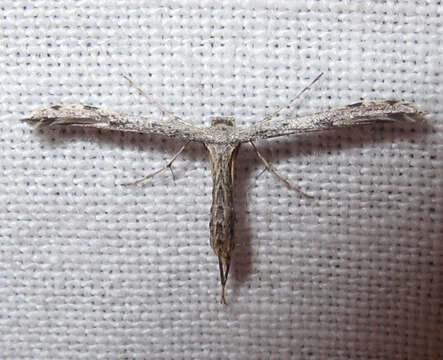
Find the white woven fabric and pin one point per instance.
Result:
(93, 270)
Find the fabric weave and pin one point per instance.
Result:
(93, 270)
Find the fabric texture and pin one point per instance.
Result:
(90, 269)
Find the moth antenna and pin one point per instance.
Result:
(269, 117)
(153, 101)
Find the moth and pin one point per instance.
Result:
(222, 141)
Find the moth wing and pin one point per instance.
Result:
(352, 115)
(89, 116)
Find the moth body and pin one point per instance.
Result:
(221, 226)
(222, 141)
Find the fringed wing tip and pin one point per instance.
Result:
(64, 115)
(38, 121)
(385, 110)
(413, 113)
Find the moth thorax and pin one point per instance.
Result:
(224, 121)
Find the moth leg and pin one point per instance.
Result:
(276, 174)
(224, 265)
(172, 173)
(167, 166)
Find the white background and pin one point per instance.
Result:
(90, 269)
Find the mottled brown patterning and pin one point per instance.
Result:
(221, 226)
(222, 141)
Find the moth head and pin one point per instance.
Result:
(223, 122)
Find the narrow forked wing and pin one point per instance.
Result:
(352, 115)
(89, 116)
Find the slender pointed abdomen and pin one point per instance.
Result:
(221, 226)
